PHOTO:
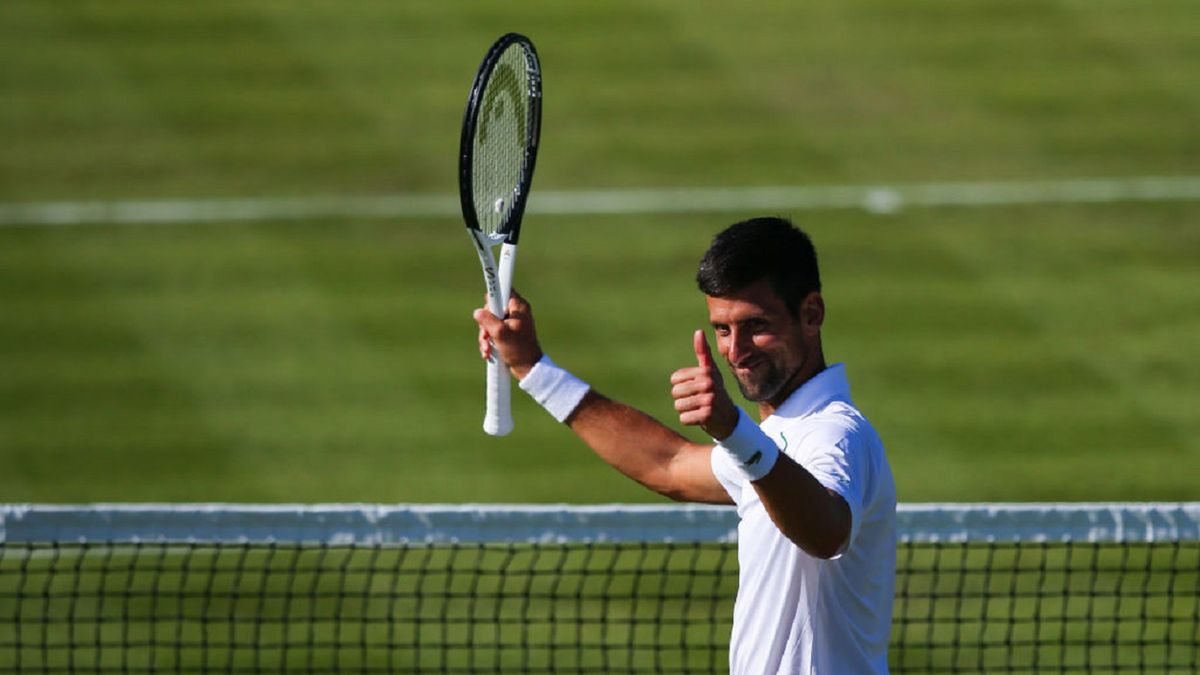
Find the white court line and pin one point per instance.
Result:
(880, 199)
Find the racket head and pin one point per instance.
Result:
(500, 132)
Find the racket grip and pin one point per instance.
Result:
(497, 420)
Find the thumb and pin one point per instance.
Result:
(704, 355)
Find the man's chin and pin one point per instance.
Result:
(763, 388)
(753, 392)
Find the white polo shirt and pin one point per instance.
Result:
(799, 614)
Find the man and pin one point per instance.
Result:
(812, 486)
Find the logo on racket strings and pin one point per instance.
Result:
(504, 80)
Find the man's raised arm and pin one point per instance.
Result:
(634, 443)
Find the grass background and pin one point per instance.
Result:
(1005, 353)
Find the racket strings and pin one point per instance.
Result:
(501, 137)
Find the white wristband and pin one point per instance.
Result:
(557, 390)
(752, 450)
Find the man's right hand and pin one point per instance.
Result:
(700, 396)
(514, 336)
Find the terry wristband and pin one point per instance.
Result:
(555, 389)
(752, 450)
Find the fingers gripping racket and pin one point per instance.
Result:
(495, 169)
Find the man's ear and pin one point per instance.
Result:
(812, 313)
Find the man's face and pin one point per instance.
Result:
(765, 345)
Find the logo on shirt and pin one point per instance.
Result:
(785, 441)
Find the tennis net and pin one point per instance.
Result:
(1100, 588)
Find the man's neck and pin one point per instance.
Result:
(811, 367)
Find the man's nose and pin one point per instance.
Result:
(739, 346)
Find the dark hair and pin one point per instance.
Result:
(767, 248)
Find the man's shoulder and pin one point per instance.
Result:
(837, 426)
(835, 417)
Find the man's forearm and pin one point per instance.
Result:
(634, 443)
(805, 511)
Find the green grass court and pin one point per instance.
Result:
(1024, 352)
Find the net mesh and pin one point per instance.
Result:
(558, 591)
(501, 134)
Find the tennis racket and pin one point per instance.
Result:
(495, 169)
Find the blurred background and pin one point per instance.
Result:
(231, 267)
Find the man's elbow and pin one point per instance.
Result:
(675, 494)
(663, 483)
(831, 540)
(824, 543)
(825, 548)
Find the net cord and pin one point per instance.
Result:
(344, 524)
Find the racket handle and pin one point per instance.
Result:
(498, 420)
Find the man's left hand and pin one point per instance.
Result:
(700, 396)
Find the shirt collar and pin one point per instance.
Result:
(828, 385)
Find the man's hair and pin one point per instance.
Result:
(767, 248)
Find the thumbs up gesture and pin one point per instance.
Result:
(700, 396)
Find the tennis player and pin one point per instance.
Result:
(812, 486)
